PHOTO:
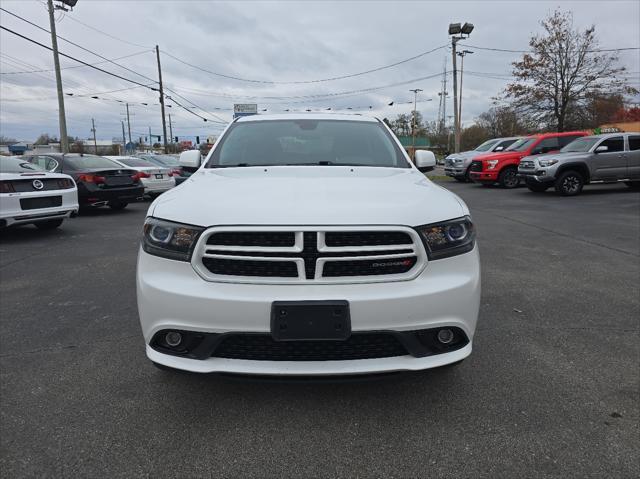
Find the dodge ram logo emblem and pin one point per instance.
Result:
(37, 184)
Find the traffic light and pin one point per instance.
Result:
(197, 140)
(176, 139)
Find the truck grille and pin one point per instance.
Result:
(527, 164)
(262, 347)
(476, 166)
(308, 254)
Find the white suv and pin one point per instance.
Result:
(308, 245)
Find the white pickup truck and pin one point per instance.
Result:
(308, 244)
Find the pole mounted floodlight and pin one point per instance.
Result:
(455, 28)
(467, 28)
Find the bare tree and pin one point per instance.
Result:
(501, 121)
(563, 70)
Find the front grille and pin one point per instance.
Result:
(527, 164)
(448, 163)
(262, 347)
(228, 254)
(476, 166)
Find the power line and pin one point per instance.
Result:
(108, 35)
(300, 82)
(73, 66)
(596, 50)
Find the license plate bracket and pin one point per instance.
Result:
(310, 320)
(159, 176)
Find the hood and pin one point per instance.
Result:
(464, 154)
(308, 195)
(560, 156)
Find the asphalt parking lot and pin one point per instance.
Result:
(551, 389)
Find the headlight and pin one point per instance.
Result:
(491, 164)
(458, 160)
(169, 240)
(544, 163)
(449, 238)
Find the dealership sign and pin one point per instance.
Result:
(244, 109)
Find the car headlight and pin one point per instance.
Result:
(547, 162)
(491, 164)
(458, 160)
(449, 238)
(169, 240)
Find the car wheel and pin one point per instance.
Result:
(49, 224)
(569, 183)
(117, 205)
(634, 185)
(537, 187)
(509, 178)
(467, 176)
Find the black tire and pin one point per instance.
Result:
(49, 224)
(569, 183)
(467, 176)
(634, 185)
(508, 178)
(537, 187)
(117, 205)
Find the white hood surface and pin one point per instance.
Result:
(308, 195)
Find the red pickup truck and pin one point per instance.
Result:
(502, 168)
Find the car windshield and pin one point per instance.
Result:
(135, 162)
(486, 146)
(10, 164)
(580, 145)
(90, 161)
(307, 142)
(521, 144)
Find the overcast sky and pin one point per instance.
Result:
(281, 41)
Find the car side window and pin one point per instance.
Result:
(504, 144)
(546, 145)
(634, 142)
(613, 144)
(565, 140)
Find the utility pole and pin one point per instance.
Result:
(150, 141)
(164, 122)
(124, 141)
(128, 123)
(460, 31)
(64, 142)
(461, 54)
(93, 129)
(413, 123)
(171, 130)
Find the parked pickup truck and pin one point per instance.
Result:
(609, 158)
(457, 165)
(308, 244)
(502, 168)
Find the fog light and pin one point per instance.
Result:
(445, 336)
(173, 338)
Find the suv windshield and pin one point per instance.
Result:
(307, 142)
(16, 165)
(580, 145)
(90, 161)
(486, 146)
(521, 144)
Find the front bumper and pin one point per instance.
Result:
(455, 172)
(11, 212)
(535, 176)
(484, 176)
(171, 295)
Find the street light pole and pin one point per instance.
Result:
(457, 32)
(461, 54)
(413, 122)
(64, 142)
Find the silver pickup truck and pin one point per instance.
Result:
(457, 164)
(610, 158)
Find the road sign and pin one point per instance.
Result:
(244, 109)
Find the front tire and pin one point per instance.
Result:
(508, 178)
(537, 187)
(569, 183)
(49, 224)
(117, 205)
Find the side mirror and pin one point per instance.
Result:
(602, 149)
(190, 159)
(499, 148)
(425, 160)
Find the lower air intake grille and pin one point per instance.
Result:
(262, 347)
(476, 166)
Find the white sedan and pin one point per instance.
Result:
(29, 195)
(155, 179)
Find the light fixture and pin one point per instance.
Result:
(455, 28)
(467, 28)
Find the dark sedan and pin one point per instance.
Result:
(101, 182)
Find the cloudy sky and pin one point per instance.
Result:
(266, 42)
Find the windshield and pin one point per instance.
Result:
(580, 145)
(164, 160)
(486, 146)
(9, 164)
(134, 162)
(307, 142)
(521, 144)
(90, 161)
